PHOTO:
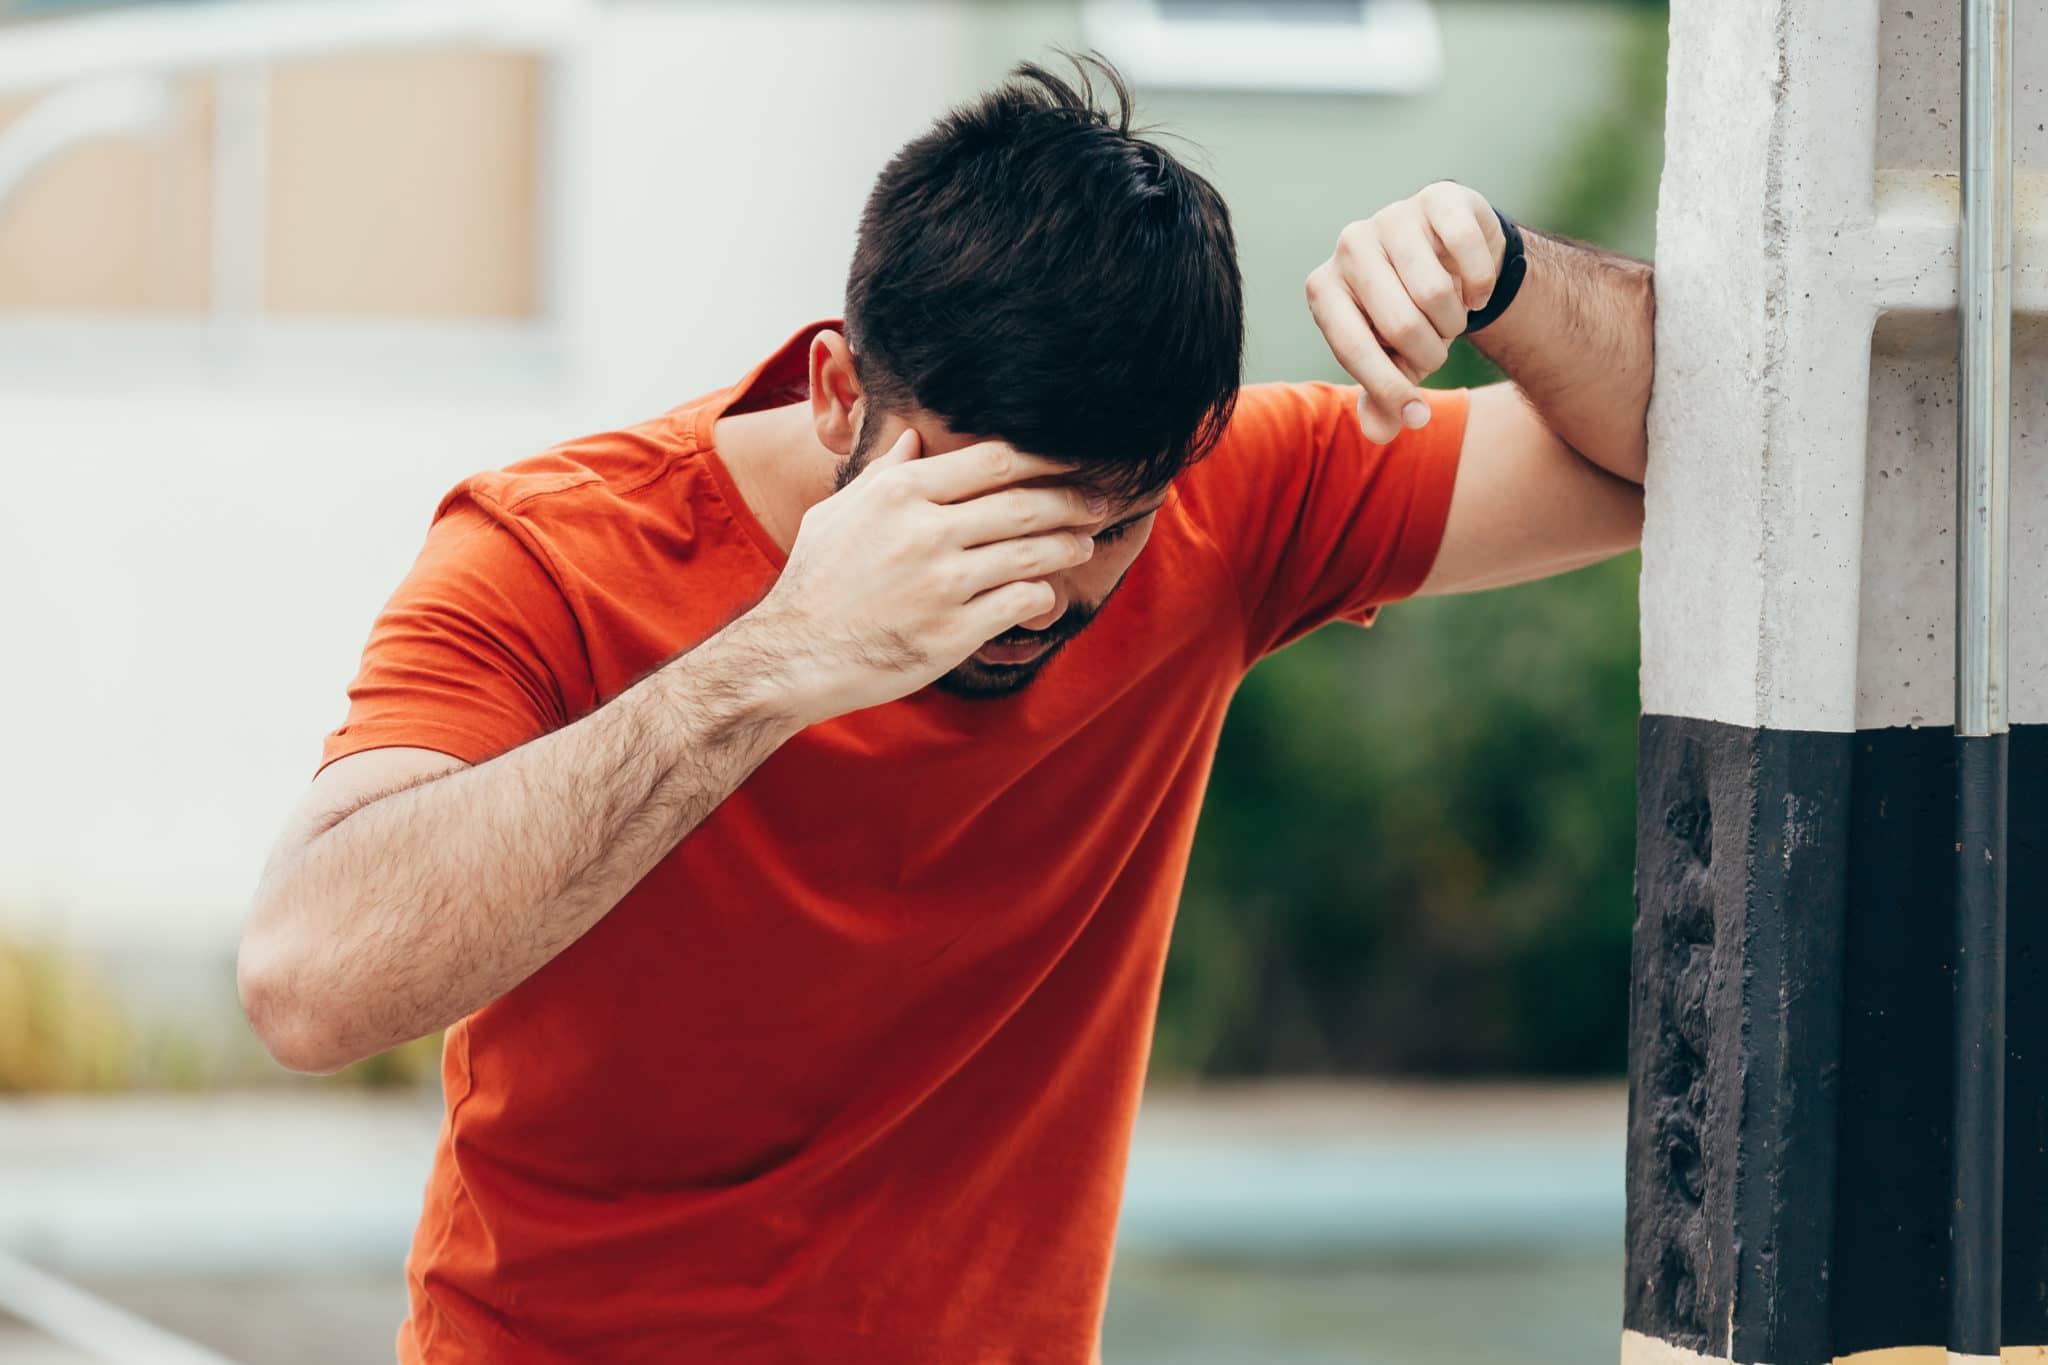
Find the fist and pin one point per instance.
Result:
(1396, 291)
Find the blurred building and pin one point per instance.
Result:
(274, 275)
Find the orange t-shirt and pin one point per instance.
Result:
(851, 1075)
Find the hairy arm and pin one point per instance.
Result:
(411, 889)
(1577, 341)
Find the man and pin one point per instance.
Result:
(783, 803)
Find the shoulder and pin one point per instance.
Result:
(1271, 416)
(1270, 429)
(1295, 477)
(608, 464)
(1285, 432)
(584, 495)
(636, 530)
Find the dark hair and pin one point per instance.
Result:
(1033, 270)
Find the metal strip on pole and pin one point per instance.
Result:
(1984, 421)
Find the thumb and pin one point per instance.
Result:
(906, 448)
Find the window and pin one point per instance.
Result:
(230, 182)
(1334, 46)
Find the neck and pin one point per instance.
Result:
(780, 467)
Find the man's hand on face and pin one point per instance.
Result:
(899, 576)
(1396, 291)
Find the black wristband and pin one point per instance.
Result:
(1514, 264)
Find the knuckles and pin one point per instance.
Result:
(1464, 238)
(1357, 240)
(1438, 297)
(895, 486)
(929, 530)
(1415, 337)
(1449, 195)
(949, 582)
(1317, 286)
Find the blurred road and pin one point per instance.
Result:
(1289, 1223)
(24, 1345)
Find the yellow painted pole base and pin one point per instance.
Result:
(1637, 1349)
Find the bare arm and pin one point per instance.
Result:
(411, 889)
(1526, 505)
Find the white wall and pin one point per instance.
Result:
(192, 561)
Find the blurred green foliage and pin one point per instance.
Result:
(59, 1028)
(404, 1066)
(1418, 848)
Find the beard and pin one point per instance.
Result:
(973, 680)
(848, 469)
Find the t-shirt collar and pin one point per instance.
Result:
(784, 377)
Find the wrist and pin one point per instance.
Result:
(1514, 268)
(743, 679)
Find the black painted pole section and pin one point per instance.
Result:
(1977, 1232)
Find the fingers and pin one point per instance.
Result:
(1413, 254)
(1006, 607)
(980, 468)
(904, 449)
(1388, 391)
(1011, 512)
(1382, 426)
(1368, 272)
(986, 567)
(1470, 237)
(1397, 291)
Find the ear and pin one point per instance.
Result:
(835, 393)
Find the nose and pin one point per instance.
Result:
(1060, 598)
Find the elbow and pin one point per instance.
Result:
(282, 1002)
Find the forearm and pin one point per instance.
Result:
(1577, 340)
(418, 908)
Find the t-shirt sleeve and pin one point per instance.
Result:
(1316, 522)
(477, 651)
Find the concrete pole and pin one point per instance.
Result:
(1792, 1065)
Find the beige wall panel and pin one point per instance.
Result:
(404, 185)
(114, 224)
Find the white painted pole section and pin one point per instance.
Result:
(90, 1324)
